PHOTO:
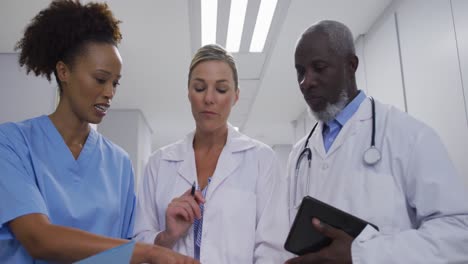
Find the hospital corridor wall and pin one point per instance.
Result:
(415, 57)
(23, 96)
(129, 129)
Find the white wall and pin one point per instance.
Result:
(382, 63)
(460, 17)
(431, 71)
(282, 153)
(129, 129)
(23, 96)
(144, 144)
(361, 79)
(299, 126)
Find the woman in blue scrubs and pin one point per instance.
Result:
(67, 192)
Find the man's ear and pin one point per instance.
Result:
(353, 63)
(63, 72)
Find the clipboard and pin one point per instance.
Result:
(303, 238)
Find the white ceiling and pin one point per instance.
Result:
(160, 37)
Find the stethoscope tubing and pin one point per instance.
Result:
(307, 151)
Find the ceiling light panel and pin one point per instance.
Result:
(262, 26)
(236, 24)
(209, 10)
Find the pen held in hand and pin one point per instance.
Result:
(192, 192)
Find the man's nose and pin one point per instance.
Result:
(308, 80)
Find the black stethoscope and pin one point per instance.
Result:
(371, 156)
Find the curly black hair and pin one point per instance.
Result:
(60, 32)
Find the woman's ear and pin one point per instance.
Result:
(63, 72)
(237, 96)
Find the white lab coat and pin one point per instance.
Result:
(245, 215)
(413, 194)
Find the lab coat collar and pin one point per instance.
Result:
(237, 142)
(365, 110)
(349, 129)
(230, 158)
(182, 151)
(316, 141)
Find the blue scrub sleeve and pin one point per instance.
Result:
(129, 217)
(19, 194)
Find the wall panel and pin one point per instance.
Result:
(431, 73)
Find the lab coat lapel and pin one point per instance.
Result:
(350, 128)
(227, 163)
(346, 132)
(184, 153)
(230, 158)
(316, 142)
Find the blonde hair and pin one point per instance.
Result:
(214, 52)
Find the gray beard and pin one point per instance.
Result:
(331, 110)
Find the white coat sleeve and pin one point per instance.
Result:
(437, 199)
(291, 182)
(272, 211)
(146, 217)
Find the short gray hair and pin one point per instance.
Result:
(340, 37)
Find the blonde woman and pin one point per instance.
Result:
(239, 212)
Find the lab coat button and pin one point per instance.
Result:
(325, 166)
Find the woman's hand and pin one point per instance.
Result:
(161, 255)
(43, 240)
(180, 215)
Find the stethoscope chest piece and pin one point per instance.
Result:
(372, 156)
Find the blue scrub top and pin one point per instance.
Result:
(38, 174)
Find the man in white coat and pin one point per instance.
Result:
(412, 192)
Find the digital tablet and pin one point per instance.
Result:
(303, 238)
